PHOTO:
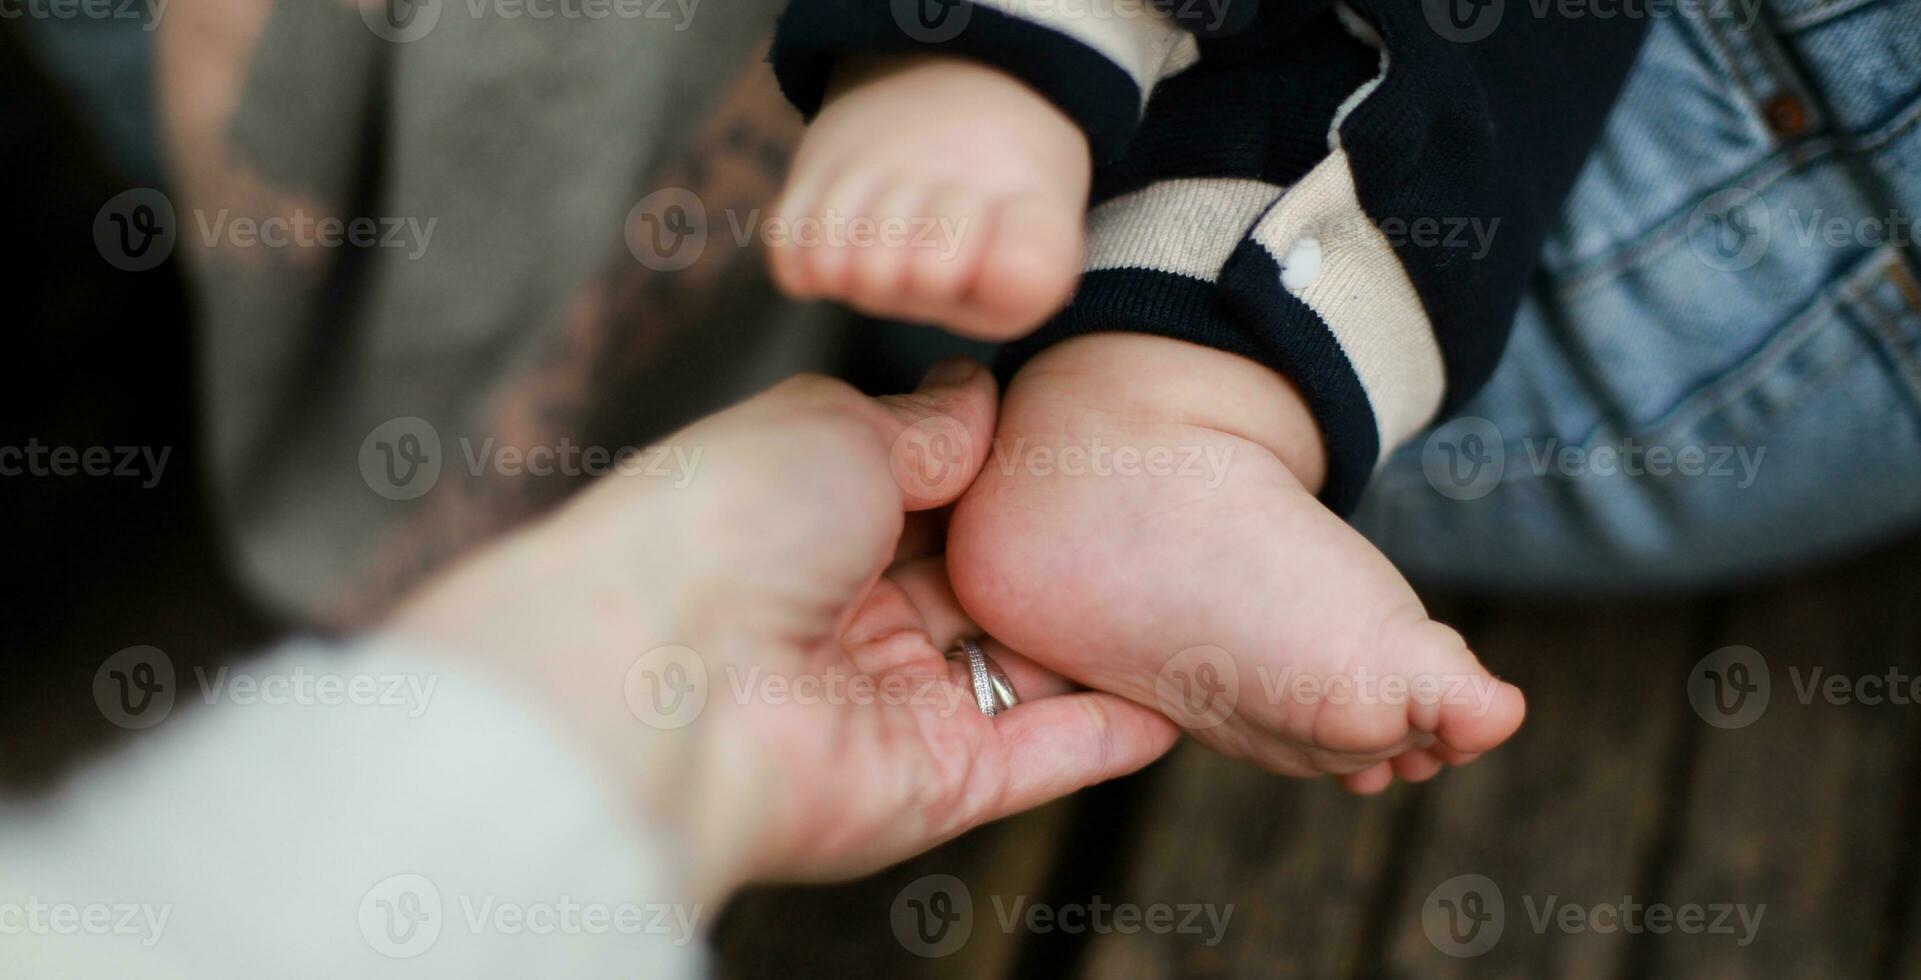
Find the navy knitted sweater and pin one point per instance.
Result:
(1351, 193)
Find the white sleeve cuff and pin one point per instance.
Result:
(435, 827)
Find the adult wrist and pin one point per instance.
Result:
(577, 627)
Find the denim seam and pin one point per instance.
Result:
(1662, 431)
(1790, 156)
(1804, 327)
(1692, 409)
(1823, 12)
(1892, 130)
(1764, 44)
(1770, 170)
(1890, 330)
(1672, 231)
(1731, 60)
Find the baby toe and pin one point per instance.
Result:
(1032, 260)
(880, 238)
(1368, 781)
(1417, 765)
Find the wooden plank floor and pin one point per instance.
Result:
(1621, 834)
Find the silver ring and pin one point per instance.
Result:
(993, 692)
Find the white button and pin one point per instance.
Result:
(1302, 265)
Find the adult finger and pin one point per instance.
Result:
(938, 434)
(1057, 745)
(924, 583)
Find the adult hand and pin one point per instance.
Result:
(759, 654)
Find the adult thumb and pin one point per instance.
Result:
(939, 433)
